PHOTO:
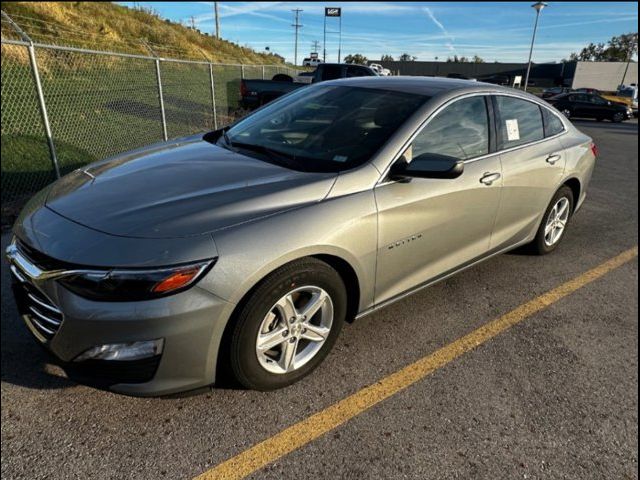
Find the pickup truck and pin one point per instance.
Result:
(255, 93)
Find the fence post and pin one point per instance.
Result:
(160, 94)
(41, 103)
(242, 72)
(213, 98)
(263, 72)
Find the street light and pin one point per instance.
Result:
(538, 6)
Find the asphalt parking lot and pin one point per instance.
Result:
(555, 396)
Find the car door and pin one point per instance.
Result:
(580, 105)
(532, 166)
(429, 226)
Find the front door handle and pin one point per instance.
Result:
(488, 178)
(553, 158)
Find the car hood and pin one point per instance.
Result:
(183, 188)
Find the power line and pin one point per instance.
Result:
(296, 26)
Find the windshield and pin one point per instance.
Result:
(324, 128)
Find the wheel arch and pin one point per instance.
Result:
(574, 184)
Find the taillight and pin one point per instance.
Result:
(594, 149)
(243, 89)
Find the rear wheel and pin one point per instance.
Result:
(554, 222)
(567, 112)
(288, 325)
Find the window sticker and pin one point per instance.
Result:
(513, 132)
(340, 158)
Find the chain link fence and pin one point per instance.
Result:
(96, 104)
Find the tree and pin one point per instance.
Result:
(405, 57)
(386, 58)
(356, 58)
(457, 59)
(617, 49)
(477, 59)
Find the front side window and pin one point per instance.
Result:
(519, 122)
(461, 131)
(325, 128)
(597, 100)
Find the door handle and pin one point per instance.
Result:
(488, 178)
(553, 158)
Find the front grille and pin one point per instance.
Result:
(40, 260)
(40, 313)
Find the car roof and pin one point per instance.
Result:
(430, 86)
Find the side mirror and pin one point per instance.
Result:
(427, 165)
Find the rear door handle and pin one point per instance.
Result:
(488, 178)
(553, 158)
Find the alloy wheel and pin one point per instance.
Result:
(294, 330)
(556, 221)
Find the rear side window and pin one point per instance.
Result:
(331, 72)
(519, 122)
(354, 71)
(461, 131)
(552, 124)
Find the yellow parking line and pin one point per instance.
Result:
(322, 422)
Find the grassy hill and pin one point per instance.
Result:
(108, 26)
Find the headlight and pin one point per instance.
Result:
(120, 285)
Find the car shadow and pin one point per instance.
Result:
(623, 127)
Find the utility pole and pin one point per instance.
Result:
(315, 46)
(296, 26)
(192, 22)
(215, 11)
(630, 52)
(538, 6)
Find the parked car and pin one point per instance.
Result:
(380, 69)
(460, 76)
(255, 93)
(627, 95)
(496, 79)
(311, 62)
(589, 105)
(553, 91)
(247, 248)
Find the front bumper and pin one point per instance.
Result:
(191, 324)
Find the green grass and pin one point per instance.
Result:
(100, 106)
(108, 26)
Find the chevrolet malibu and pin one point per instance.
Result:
(244, 250)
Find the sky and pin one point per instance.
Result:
(495, 31)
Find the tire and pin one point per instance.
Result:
(540, 245)
(567, 112)
(301, 279)
(617, 117)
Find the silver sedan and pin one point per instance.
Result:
(244, 250)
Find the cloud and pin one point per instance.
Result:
(439, 24)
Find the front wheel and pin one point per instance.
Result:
(567, 112)
(554, 222)
(617, 117)
(288, 325)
